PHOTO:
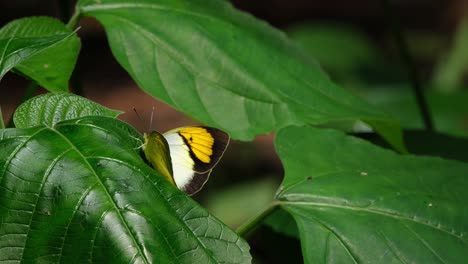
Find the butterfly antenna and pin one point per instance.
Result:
(141, 120)
(151, 119)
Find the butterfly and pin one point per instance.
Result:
(185, 156)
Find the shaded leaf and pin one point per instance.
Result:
(325, 42)
(269, 246)
(51, 108)
(449, 111)
(282, 222)
(80, 193)
(357, 203)
(41, 48)
(346, 53)
(226, 68)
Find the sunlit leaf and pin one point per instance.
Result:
(51, 108)
(226, 68)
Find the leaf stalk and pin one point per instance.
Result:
(2, 124)
(73, 22)
(251, 225)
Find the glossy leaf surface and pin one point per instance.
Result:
(357, 203)
(41, 48)
(79, 192)
(226, 68)
(48, 109)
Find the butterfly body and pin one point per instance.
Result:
(186, 155)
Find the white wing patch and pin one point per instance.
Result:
(182, 163)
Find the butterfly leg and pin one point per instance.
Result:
(139, 140)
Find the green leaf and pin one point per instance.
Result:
(226, 68)
(80, 192)
(357, 203)
(51, 108)
(282, 222)
(40, 48)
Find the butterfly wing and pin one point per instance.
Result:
(156, 152)
(194, 152)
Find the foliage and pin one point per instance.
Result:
(41, 48)
(358, 202)
(51, 108)
(75, 186)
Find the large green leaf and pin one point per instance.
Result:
(226, 68)
(80, 193)
(41, 48)
(48, 109)
(357, 203)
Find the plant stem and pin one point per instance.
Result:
(75, 79)
(402, 46)
(2, 124)
(73, 22)
(247, 228)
